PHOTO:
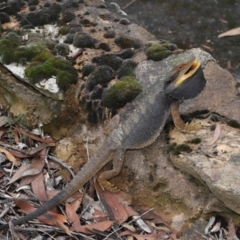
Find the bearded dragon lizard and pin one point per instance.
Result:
(140, 124)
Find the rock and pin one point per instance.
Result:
(203, 181)
(215, 165)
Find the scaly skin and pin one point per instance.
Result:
(140, 124)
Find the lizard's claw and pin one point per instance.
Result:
(106, 185)
(190, 127)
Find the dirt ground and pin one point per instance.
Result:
(190, 24)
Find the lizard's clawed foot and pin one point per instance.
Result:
(191, 127)
(106, 185)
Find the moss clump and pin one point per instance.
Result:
(54, 66)
(101, 75)
(65, 78)
(110, 60)
(87, 70)
(214, 117)
(158, 50)
(177, 149)
(43, 56)
(233, 123)
(82, 39)
(28, 52)
(183, 148)
(127, 69)
(126, 42)
(126, 53)
(195, 141)
(7, 49)
(14, 37)
(122, 92)
(62, 49)
(63, 30)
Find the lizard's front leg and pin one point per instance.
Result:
(103, 177)
(179, 123)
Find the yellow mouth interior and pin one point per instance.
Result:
(187, 71)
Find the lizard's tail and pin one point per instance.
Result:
(86, 173)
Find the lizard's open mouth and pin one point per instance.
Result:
(189, 82)
(193, 68)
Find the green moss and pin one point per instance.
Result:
(171, 147)
(87, 70)
(112, 61)
(54, 66)
(65, 78)
(127, 69)
(233, 123)
(183, 148)
(126, 42)
(13, 36)
(158, 50)
(214, 117)
(121, 92)
(63, 30)
(36, 73)
(101, 75)
(177, 149)
(43, 56)
(195, 141)
(28, 52)
(7, 49)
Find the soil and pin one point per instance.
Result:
(191, 24)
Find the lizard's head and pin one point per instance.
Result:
(185, 81)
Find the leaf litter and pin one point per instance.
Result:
(92, 214)
(27, 157)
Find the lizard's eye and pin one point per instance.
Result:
(180, 67)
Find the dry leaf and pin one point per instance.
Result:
(48, 140)
(36, 165)
(161, 235)
(232, 231)
(49, 217)
(216, 227)
(102, 226)
(117, 208)
(232, 32)
(18, 173)
(150, 215)
(38, 188)
(216, 134)
(76, 203)
(210, 49)
(33, 151)
(26, 181)
(10, 157)
(100, 216)
(72, 217)
(17, 154)
(3, 120)
(16, 137)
